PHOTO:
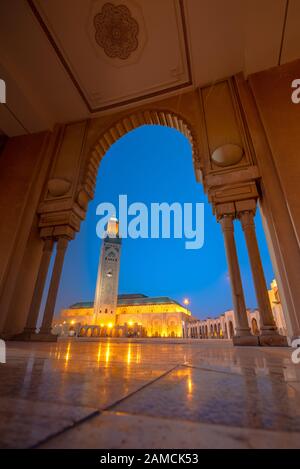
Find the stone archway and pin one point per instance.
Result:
(228, 198)
(96, 331)
(118, 129)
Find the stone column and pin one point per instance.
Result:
(243, 334)
(29, 330)
(45, 331)
(268, 328)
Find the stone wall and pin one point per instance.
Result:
(23, 170)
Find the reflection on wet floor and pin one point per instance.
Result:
(53, 386)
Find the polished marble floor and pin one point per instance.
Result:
(151, 393)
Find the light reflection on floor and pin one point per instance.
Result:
(144, 386)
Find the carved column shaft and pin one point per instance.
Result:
(268, 325)
(62, 244)
(240, 314)
(39, 287)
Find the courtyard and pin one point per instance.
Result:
(148, 393)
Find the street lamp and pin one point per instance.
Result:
(186, 302)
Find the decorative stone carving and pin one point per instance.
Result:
(58, 187)
(83, 199)
(227, 155)
(116, 31)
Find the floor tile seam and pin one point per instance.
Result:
(65, 429)
(149, 383)
(100, 411)
(198, 422)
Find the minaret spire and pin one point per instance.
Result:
(106, 295)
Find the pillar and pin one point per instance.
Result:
(46, 327)
(243, 334)
(29, 329)
(269, 333)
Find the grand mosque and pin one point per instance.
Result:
(76, 78)
(132, 315)
(138, 315)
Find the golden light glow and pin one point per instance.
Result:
(190, 385)
(67, 357)
(113, 227)
(107, 354)
(138, 355)
(129, 354)
(99, 353)
(168, 323)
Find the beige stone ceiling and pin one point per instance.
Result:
(69, 59)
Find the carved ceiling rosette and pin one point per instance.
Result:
(116, 31)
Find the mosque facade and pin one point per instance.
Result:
(113, 315)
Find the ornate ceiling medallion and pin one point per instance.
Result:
(116, 31)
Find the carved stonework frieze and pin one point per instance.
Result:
(116, 31)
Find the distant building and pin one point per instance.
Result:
(113, 315)
(106, 294)
(135, 315)
(277, 308)
(223, 326)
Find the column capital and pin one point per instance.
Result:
(247, 219)
(226, 222)
(226, 209)
(248, 205)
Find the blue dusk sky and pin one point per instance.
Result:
(154, 164)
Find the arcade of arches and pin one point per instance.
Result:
(238, 157)
(223, 326)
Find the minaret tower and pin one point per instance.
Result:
(106, 295)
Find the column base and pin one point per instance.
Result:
(29, 336)
(26, 335)
(46, 337)
(273, 340)
(245, 340)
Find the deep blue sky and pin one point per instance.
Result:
(154, 164)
